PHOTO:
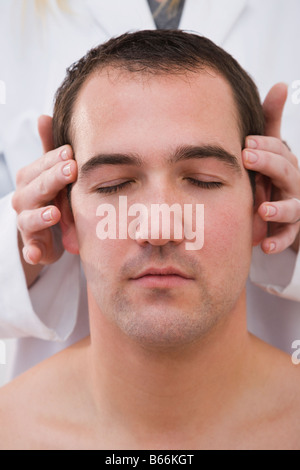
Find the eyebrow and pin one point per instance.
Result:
(206, 151)
(108, 159)
(181, 154)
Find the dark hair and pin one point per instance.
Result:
(160, 52)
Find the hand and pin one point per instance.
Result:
(273, 158)
(37, 185)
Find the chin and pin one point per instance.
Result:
(166, 329)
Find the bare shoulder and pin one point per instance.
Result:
(279, 387)
(33, 404)
(282, 375)
(287, 403)
(289, 383)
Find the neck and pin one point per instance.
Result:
(158, 392)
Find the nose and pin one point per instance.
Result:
(160, 224)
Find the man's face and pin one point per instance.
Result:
(159, 122)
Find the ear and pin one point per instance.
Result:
(262, 194)
(67, 223)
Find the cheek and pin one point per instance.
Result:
(100, 258)
(228, 236)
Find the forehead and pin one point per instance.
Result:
(142, 113)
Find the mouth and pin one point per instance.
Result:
(166, 278)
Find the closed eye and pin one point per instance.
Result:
(205, 184)
(114, 189)
(119, 187)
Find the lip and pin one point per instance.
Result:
(167, 271)
(167, 277)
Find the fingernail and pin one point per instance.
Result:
(64, 155)
(47, 215)
(67, 170)
(251, 157)
(252, 144)
(272, 247)
(270, 211)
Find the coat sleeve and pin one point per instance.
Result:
(49, 310)
(277, 274)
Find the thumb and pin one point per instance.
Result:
(273, 108)
(45, 131)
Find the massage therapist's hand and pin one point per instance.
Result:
(37, 185)
(272, 157)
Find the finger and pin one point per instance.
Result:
(46, 187)
(273, 108)
(285, 212)
(270, 144)
(27, 174)
(45, 132)
(44, 247)
(32, 221)
(32, 254)
(282, 173)
(281, 241)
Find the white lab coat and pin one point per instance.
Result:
(261, 34)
